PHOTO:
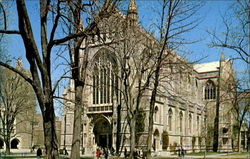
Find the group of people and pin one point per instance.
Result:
(181, 152)
(102, 152)
(136, 154)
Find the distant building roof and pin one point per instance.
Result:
(207, 67)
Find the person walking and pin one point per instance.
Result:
(39, 152)
(125, 153)
(182, 152)
(106, 153)
(98, 153)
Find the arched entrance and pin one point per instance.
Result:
(1, 143)
(14, 143)
(103, 133)
(156, 140)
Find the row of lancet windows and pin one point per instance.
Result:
(104, 80)
(170, 121)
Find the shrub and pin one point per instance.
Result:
(165, 140)
(193, 143)
(173, 147)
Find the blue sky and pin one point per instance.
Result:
(210, 13)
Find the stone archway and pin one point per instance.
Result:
(1, 143)
(156, 141)
(103, 132)
(14, 143)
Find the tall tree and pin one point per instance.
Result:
(176, 19)
(16, 99)
(79, 59)
(40, 59)
(235, 37)
(240, 108)
(236, 34)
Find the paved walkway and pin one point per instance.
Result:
(210, 156)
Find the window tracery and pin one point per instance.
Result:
(104, 78)
(210, 90)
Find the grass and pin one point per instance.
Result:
(240, 153)
(14, 157)
(34, 157)
(202, 153)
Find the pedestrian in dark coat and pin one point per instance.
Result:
(106, 153)
(39, 152)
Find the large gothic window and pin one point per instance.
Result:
(104, 78)
(210, 90)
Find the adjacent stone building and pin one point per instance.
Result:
(20, 106)
(185, 104)
(29, 133)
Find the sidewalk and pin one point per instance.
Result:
(211, 156)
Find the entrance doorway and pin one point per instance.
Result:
(1, 143)
(103, 133)
(156, 141)
(14, 143)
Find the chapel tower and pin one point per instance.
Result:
(132, 14)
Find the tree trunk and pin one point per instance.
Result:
(150, 128)
(238, 142)
(152, 105)
(7, 144)
(132, 136)
(248, 139)
(118, 129)
(50, 138)
(75, 148)
(217, 113)
(216, 131)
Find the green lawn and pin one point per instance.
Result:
(202, 153)
(34, 157)
(13, 157)
(240, 153)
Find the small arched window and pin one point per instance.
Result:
(170, 117)
(198, 124)
(181, 121)
(210, 90)
(190, 123)
(156, 114)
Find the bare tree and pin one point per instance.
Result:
(79, 62)
(136, 74)
(40, 61)
(16, 100)
(175, 21)
(236, 33)
(95, 12)
(240, 108)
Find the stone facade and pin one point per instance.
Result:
(28, 133)
(185, 104)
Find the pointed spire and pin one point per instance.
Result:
(81, 27)
(222, 57)
(19, 63)
(132, 13)
(132, 5)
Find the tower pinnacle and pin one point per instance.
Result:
(132, 14)
(222, 57)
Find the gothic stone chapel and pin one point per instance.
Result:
(185, 103)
